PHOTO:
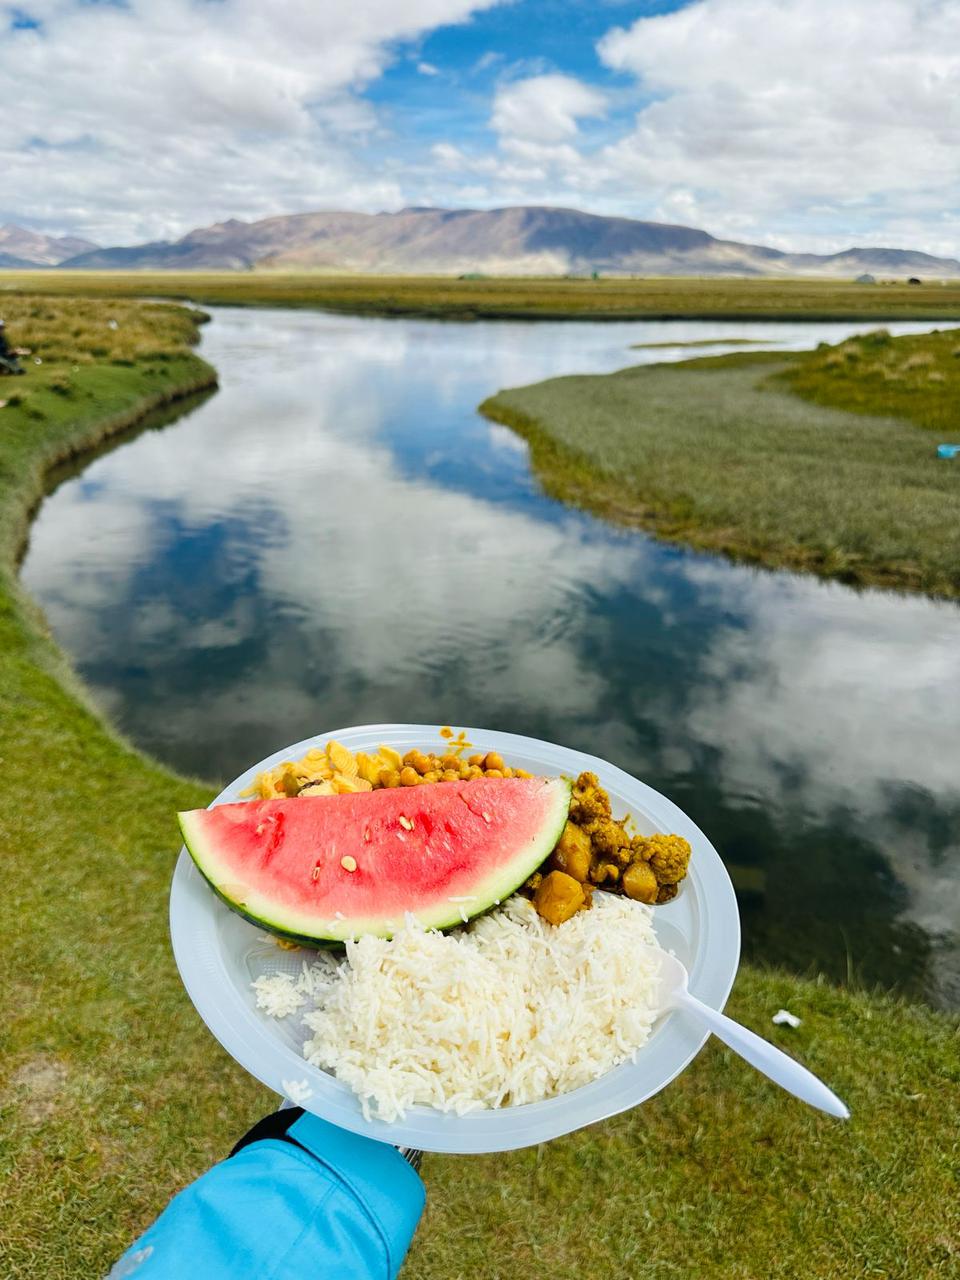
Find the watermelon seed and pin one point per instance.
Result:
(485, 817)
(348, 863)
(316, 873)
(406, 823)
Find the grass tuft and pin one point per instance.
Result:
(914, 378)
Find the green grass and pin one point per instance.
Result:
(113, 1095)
(916, 378)
(758, 457)
(719, 1178)
(515, 297)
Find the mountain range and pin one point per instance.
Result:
(522, 240)
(22, 248)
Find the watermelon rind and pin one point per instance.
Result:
(311, 931)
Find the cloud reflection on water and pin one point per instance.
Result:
(337, 538)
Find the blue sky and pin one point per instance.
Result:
(469, 62)
(805, 124)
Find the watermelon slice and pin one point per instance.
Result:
(321, 869)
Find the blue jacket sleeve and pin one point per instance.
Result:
(319, 1203)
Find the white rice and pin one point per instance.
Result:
(277, 996)
(509, 1011)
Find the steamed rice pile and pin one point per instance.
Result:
(509, 1011)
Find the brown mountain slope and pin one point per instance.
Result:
(32, 248)
(520, 240)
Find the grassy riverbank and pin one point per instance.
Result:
(915, 378)
(538, 298)
(113, 1095)
(775, 460)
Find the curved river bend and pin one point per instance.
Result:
(337, 537)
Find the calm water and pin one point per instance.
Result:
(337, 538)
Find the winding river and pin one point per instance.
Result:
(337, 537)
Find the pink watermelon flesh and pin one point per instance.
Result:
(460, 847)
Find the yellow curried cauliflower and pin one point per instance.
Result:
(668, 856)
(590, 802)
(608, 838)
(595, 850)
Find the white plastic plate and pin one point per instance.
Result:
(219, 953)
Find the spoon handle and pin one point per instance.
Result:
(767, 1058)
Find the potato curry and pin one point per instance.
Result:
(596, 851)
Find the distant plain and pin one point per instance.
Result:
(527, 297)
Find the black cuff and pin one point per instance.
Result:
(276, 1124)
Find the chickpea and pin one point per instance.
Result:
(475, 759)
(493, 773)
(450, 762)
(521, 773)
(432, 775)
(476, 771)
(389, 778)
(411, 756)
(464, 773)
(409, 776)
(507, 771)
(493, 760)
(450, 775)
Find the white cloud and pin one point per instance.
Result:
(797, 113)
(486, 61)
(328, 460)
(182, 110)
(805, 124)
(537, 122)
(448, 156)
(544, 109)
(788, 700)
(801, 123)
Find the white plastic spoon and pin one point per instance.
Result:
(773, 1062)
